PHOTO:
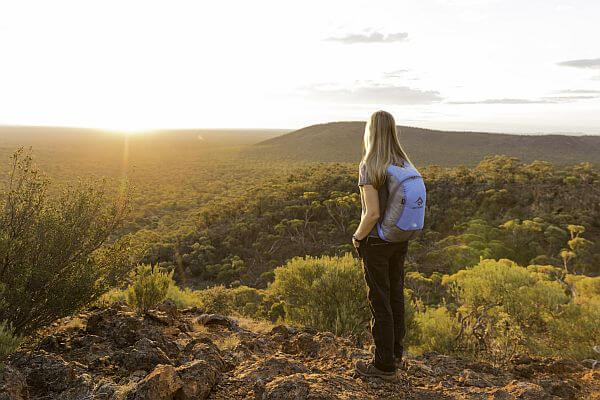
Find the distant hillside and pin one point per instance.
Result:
(341, 141)
(35, 135)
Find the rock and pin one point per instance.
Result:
(122, 328)
(49, 343)
(203, 349)
(48, 373)
(283, 330)
(526, 391)
(522, 359)
(121, 355)
(304, 344)
(144, 354)
(310, 330)
(120, 305)
(328, 345)
(217, 319)
(160, 317)
(307, 345)
(13, 385)
(267, 369)
(500, 394)
(565, 389)
(198, 378)
(287, 388)
(106, 391)
(315, 387)
(524, 371)
(161, 384)
(191, 310)
(169, 308)
(471, 378)
(564, 366)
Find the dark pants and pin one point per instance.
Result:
(384, 273)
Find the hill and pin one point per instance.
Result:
(65, 138)
(112, 353)
(342, 141)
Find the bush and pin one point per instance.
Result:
(112, 296)
(183, 297)
(216, 299)
(505, 309)
(150, 287)
(241, 300)
(9, 341)
(327, 293)
(437, 330)
(56, 252)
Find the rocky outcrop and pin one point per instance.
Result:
(115, 354)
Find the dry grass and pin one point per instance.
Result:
(122, 391)
(259, 326)
(74, 323)
(227, 342)
(199, 328)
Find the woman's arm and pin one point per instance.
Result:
(370, 216)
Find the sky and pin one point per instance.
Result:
(509, 66)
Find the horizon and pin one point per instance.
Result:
(141, 132)
(465, 65)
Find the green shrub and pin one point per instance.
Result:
(327, 293)
(576, 331)
(55, 250)
(505, 309)
(149, 288)
(112, 296)
(241, 300)
(9, 341)
(183, 297)
(437, 330)
(216, 299)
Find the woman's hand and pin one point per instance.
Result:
(370, 215)
(355, 242)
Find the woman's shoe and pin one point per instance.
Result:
(397, 360)
(369, 370)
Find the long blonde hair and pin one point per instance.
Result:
(381, 146)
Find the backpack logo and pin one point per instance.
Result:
(419, 201)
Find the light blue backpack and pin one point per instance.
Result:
(404, 215)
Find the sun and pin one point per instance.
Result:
(128, 130)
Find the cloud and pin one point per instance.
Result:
(543, 100)
(568, 99)
(396, 74)
(503, 101)
(375, 94)
(583, 63)
(578, 91)
(373, 37)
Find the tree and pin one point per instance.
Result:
(57, 254)
(566, 256)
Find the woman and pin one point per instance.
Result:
(383, 260)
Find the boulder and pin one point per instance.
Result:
(122, 328)
(144, 354)
(48, 373)
(13, 385)
(217, 319)
(198, 379)
(267, 369)
(305, 344)
(161, 384)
